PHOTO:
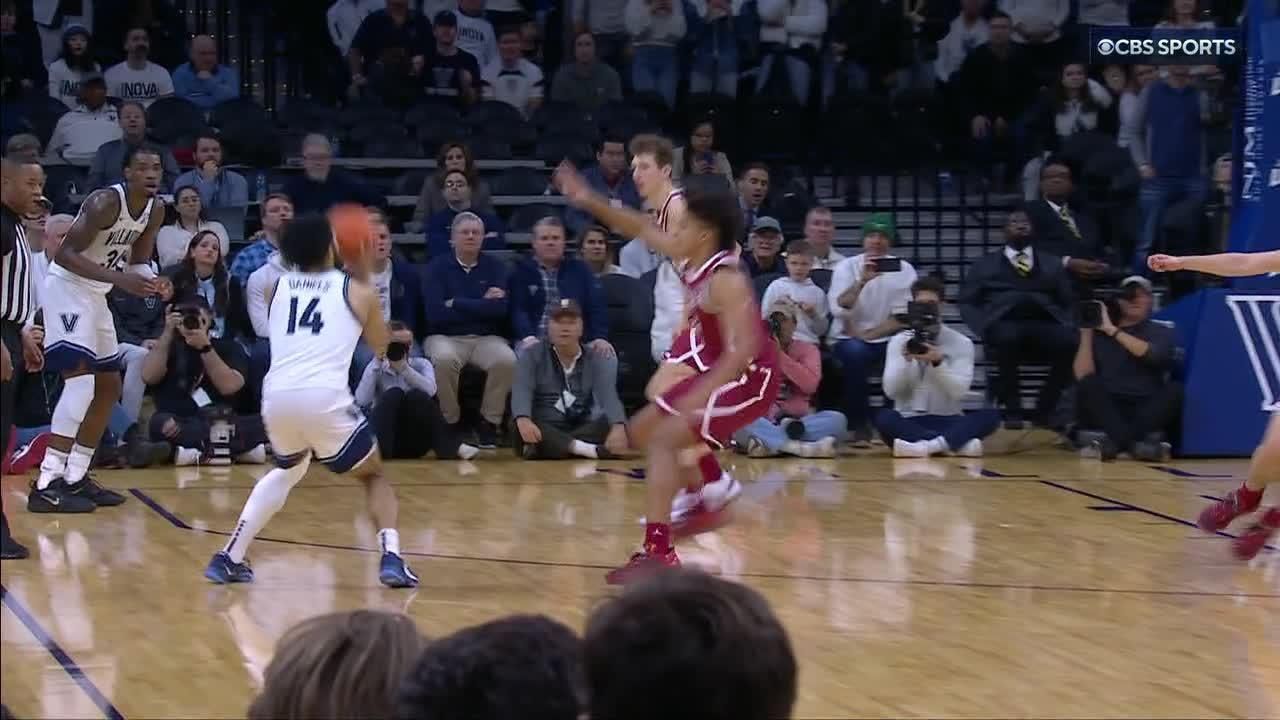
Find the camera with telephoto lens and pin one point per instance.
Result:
(1089, 312)
(775, 323)
(191, 319)
(397, 351)
(922, 320)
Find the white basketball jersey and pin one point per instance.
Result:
(112, 246)
(313, 332)
(664, 213)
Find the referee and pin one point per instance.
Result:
(21, 190)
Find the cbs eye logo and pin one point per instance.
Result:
(1106, 47)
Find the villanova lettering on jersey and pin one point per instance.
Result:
(138, 90)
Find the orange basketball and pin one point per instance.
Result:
(353, 233)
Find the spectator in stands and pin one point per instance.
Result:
(451, 72)
(511, 78)
(23, 72)
(586, 82)
(793, 426)
(1135, 79)
(203, 272)
(1189, 15)
(609, 177)
(344, 19)
(174, 239)
(475, 33)
(801, 293)
(1169, 150)
(256, 287)
(700, 157)
(538, 284)
(820, 233)
(715, 29)
(636, 258)
(753, 189)
(565, 397)
(668, 308)
(519, 666)
(1019, 301)
(218, 186)
(457, 195)
(321, 186)
(606, 22)
(79, 133)
(23, 147)
(399, 393)
(466, 306)
(344, 664)
(189, 370)
(872, 47)
(791, 33)
(656, 27)
(593, 246)
(203, 81)
(764, 245)
(277, 210)
(107, 167)
(640, 660)
(137, 78)
(967, 31)
(452, 156)
(1101, 13)
(53, 19)
(927, 379)
(75, 63)
(1037, 27)
(1123, 384)
(389, 52)
(864, 301)
(398, 282)
(139, 323)
(1076, 104)
(994, 85)
(165, 25)
(55, 231)
(1066, 230)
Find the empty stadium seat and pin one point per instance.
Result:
(61, 182)
(555, 150)
(525, 216)
(630, 307)
(519, 181)
(172, 120)
(41, 114)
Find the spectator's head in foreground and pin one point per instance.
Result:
(340, 665)
(711, 648)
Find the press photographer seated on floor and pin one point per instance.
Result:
(399, 394)
(1122, 368)
(194, 378)
(565, 399)
(927, 373)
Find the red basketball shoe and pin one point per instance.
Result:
(711, 511)
(642, 565)
(1220, 514)
(1255, 538)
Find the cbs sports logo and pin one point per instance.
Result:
(1164, 47)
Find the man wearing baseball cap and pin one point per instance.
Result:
(764, 248)
(564, 399)
(1122, 370)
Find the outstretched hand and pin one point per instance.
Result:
(1166, 263)
(570, 183)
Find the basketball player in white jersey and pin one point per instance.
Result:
(1265, 466)
(110, 244)
(315, 315)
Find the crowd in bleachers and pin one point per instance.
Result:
(491, 281)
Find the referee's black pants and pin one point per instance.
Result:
(12, 335)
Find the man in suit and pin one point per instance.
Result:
(1020, 301)
(1066, 230)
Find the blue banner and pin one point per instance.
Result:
(1256, 178)
(1165, 46)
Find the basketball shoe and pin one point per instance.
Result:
(223, 570)
(395, 573)
(642, 565)
(705, 510)
(1220, 514)
(1251, 542)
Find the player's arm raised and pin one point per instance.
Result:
(622, 220)
(1224, 264)
(730, 297)
(98, 213)
(364, 302)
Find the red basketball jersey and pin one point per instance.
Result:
(701, 343)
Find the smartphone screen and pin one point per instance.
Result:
(888, 264)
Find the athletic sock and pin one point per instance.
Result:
(53, 465)
(389, 540)
(1247, 495)
(582, 449)
(709, 468)
(78, 463)
(265, 501)
(657, 538)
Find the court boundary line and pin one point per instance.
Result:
(173, 519)
(63, 658)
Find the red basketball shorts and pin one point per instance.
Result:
(730, 407)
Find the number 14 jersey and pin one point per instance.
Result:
(313, 332)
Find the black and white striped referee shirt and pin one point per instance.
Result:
(15, 269)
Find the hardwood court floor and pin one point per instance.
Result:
(1032, 586)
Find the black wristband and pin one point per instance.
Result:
(206, 349)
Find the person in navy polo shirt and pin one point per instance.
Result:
(539, 283)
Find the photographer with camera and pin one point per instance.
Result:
(792, 427)
(195, 378)
(1122, 370)
(399, 392)
(927, 373)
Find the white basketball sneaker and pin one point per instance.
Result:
(708, 512)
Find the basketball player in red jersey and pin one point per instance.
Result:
(1265, 466)
(725, 342)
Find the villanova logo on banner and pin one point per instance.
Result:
(1258, 322)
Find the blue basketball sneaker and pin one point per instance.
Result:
(222, 570)
(395, 573)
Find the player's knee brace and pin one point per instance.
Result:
(73, 405)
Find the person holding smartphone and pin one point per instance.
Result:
(867, 290)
